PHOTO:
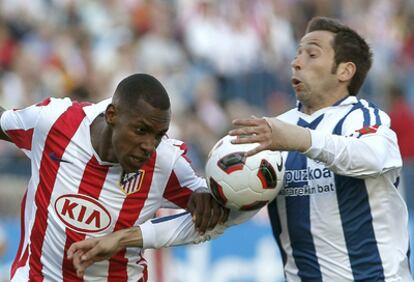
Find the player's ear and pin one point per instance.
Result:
(111, 114)
(346, 71)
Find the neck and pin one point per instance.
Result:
(321, 101)
(101, 139)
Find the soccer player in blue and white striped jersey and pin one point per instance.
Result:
(340, 216)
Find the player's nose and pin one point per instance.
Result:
(148, 145)
(295, 64)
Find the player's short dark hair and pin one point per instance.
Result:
(349, 46)
(144, 87)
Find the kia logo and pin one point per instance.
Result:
(82, 213)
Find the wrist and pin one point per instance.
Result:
(131, 237)
(289, 137)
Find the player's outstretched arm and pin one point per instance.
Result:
(369, 155)
(271, 134)
(3, 135)
(175, 230)
(85, 253)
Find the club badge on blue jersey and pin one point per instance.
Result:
(131, 182)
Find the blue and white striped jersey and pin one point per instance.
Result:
(340, 216)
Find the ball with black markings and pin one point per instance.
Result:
(241, 183)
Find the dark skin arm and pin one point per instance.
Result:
(206, 212)
(3, 135)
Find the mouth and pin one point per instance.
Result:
(135, 162)
(296, 83)
(136, 159)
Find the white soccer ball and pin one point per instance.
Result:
(241, 183)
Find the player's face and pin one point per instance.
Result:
(312, 76)
(136, 133)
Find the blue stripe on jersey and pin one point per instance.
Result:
(376, 113)
(356, 219)
(276, 227)
(166, 218)
(338, 128)
(367, 117)
(298, 218)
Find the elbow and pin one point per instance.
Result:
(376, 165)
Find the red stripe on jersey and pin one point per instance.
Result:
(183, 147)
(145, 271)
(22, 261)
(130, 211)
(22, 138)
(19, 260)
(175, 193)
(145, 276)
(57, 140)
(45, 102)
(368, 129)
(91, 185)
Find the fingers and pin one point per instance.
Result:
(204, 218)
(247, 121)
(247, 139)
(81, 266)
(81, 253)
(225, 215)
(245, 131)
(79, 246)
(207, 213)
(216, 214)
(256, 150)
(197, 211)
(91, 254)
(77, 263)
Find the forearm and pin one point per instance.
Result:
(289, 137)
(179, 230)
(131, 237)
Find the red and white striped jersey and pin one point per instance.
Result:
(73, 195)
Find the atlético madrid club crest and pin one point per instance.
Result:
(131, 182)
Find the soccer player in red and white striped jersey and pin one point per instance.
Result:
(101, 169)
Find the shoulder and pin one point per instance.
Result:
(368, 113)
(172, 146)
(365, 114)
(290, 116)
(170, 150)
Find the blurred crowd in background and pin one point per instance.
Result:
(217, 59)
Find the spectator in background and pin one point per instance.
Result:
(402, 122)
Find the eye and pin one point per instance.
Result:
(140, 130)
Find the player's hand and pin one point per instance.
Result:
(206, 211)
(253, 130)
(85, 253)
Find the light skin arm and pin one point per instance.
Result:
(271, 134)
(87, 252)
(206, 214)
(3, 135)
